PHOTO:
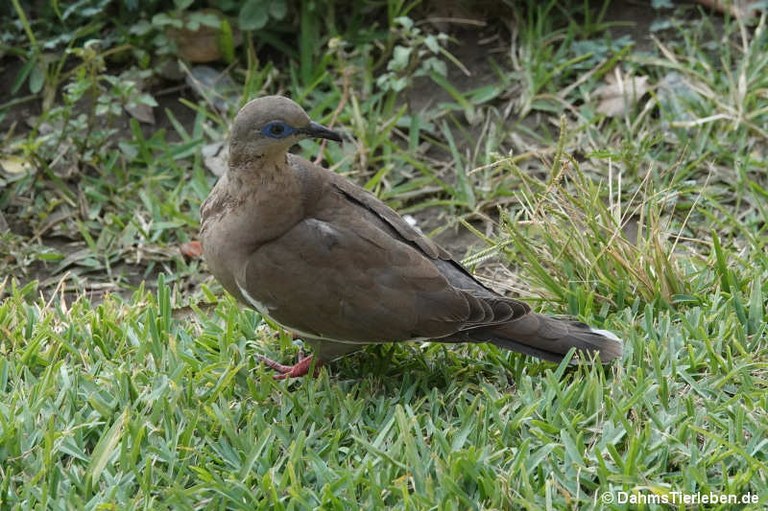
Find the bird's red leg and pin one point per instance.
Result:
(300, 368)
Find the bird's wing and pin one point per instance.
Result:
(353, 270)
(351, 282)
(381, 214)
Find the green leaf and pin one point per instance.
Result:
(431, 42)
(436, 65)
(23, 74)
(163, 20)
(253, 15)
(405, 22)
(206, 19)
(106, 446)
(37, 78)
(485, 93)
(278, 9)
(401, 56)
(226, 41)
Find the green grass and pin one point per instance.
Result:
(122, 404)
(129, 380)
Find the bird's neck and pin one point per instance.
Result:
(258, 170)
(243, 156)
(269, 190)
(240, 162)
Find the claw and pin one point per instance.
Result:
(300, 368)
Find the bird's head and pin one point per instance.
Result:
(269, 126)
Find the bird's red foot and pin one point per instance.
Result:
(300, 368)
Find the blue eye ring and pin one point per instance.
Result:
(277, 129)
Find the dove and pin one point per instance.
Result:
(332, 263)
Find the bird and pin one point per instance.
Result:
(329, 261)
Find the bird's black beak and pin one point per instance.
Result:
(315, 130)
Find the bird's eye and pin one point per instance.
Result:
(277, 129)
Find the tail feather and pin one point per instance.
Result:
(550, 338)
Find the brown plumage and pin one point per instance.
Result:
(328, 260)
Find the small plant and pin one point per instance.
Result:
(255, 14)
(91, 101)
(47, 38)
(415, 54)
(195, 36)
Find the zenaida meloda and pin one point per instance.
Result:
(328, 260)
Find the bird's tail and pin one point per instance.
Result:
(551, 338)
